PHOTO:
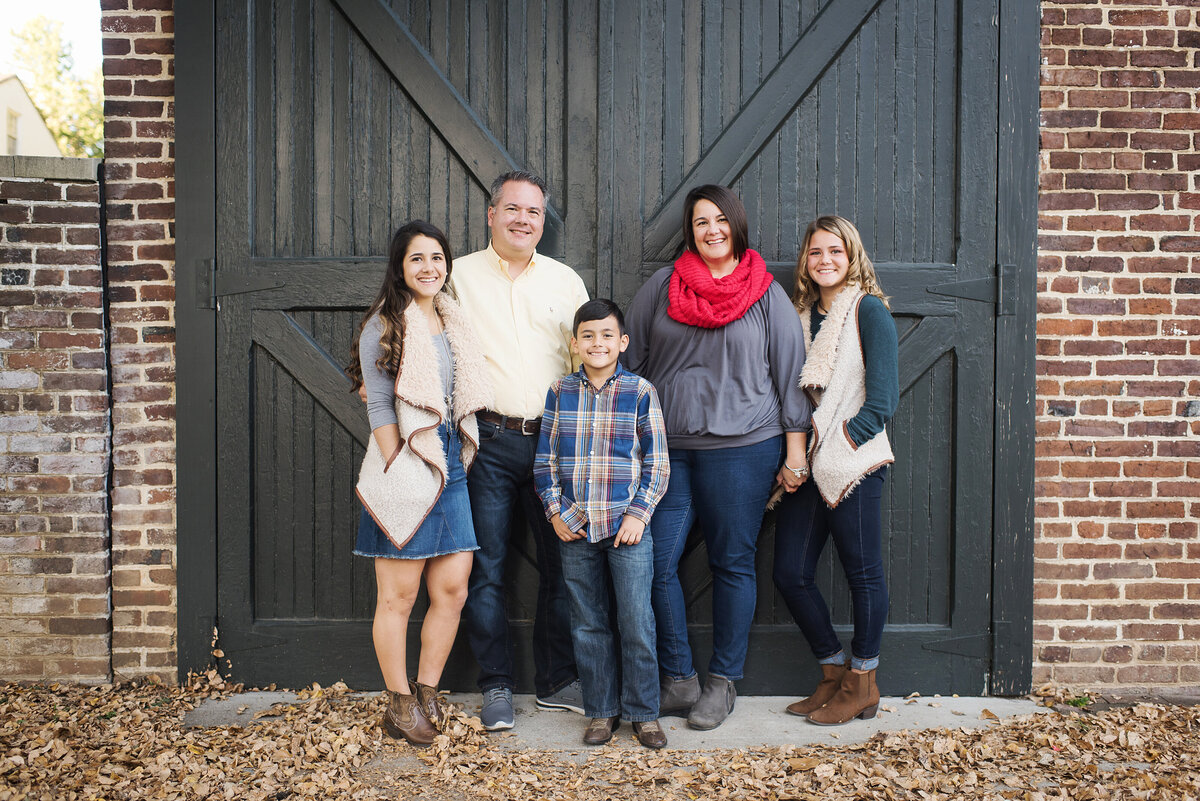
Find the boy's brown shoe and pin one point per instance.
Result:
(650, 734)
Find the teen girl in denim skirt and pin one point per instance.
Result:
(424, 379)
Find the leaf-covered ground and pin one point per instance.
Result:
(66, 742)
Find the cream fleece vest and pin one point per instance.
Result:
(400, 494)
(834, 377)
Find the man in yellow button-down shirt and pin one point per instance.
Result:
(522, 305)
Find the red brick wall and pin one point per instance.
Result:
(139, 131)
(54, 572)
(1117, 587)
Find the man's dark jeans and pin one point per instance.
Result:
(501, 477)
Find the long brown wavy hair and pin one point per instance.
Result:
(860, 274)
(393, 299)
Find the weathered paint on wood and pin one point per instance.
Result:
(336, 120)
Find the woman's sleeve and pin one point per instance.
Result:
(882, 362)
(785, 357)
(638, 320)
(381, 392)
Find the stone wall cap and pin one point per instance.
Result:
(58, 168)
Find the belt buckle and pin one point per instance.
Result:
(532, 427)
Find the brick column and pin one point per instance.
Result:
(1117, 573)
(138, 44)
(54, 571)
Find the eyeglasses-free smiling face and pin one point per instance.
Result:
(598, 343)
(517, 221)
(424, 267)
(712, 233)
(827, 262)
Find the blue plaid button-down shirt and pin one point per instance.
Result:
(601, 453)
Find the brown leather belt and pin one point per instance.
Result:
(527, 427)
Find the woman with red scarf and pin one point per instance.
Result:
(721, 343)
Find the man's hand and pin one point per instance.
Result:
(630, 532)
(564, 532)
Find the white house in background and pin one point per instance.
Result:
(24, 132)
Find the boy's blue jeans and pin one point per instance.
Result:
(586, 568)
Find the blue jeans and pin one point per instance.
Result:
(727, 489)
(500, 478)
(587, 567)
(802, 528)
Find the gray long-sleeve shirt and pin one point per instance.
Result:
(721, 387)
(381, 394)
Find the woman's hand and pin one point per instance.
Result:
(796, 456)
(790, 481)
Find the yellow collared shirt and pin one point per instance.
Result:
(524, 325)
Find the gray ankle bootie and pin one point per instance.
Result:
(677, 696)
(715, 704)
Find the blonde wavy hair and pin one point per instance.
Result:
(860, 274)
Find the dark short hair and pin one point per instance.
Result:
(598, 309)
(729, 204)
(522, 176)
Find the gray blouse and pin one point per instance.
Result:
(381, 397)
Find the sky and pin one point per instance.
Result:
(81, 27)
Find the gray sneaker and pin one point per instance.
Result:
(569, 697)
(497, 712)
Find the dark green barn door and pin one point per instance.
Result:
(339, 119)
(883, 111)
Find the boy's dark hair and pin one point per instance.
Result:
(598, 309)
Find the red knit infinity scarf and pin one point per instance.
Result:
(696, 298)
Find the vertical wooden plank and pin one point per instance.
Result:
(692, 78)
(584, 187)
(266, 571)
(323, 122)
(263, 124)
(925, 136)
(905, 130)
(651, 119)
(945, 108)
(767, 172)
(673, 79)
(515, 111)
(196, 382)
(728, 61)
(303, 176)
(606, 158)
(845, 110)
(341, 168)
(303, 468)
(627, 167)
(534, 119)
(711, 89)
(885, 154)
(865, 142)
(282, 233)
(1012, 578)
(554, 105)
(826, 139)
(796, 192)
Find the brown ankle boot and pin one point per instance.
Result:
(856, 697)
(404, 718)
(824, 691)
(429, 701)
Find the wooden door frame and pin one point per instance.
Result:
(196, 232)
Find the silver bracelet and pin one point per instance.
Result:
(798, 472)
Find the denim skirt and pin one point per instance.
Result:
(447, 528)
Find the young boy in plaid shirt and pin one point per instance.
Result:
(601, 468)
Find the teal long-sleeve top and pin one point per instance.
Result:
(881, 361)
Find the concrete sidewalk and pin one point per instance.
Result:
(756, 721)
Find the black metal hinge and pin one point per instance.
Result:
(1000, 289)
(213, 284)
